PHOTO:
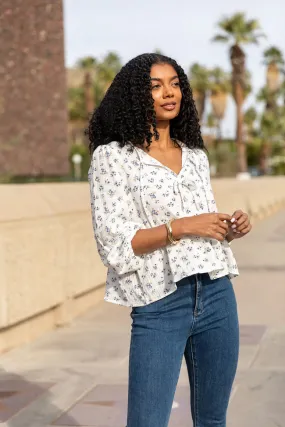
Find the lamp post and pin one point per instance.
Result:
(77, 160)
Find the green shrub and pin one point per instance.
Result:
(223, 157)
(253, 152)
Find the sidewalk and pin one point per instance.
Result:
(77, 376)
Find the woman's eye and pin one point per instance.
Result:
(176, 84)
(155, 86)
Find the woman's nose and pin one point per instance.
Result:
(168, 92)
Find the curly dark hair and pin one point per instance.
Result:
(126, 114)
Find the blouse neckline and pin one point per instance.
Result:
(147, 159)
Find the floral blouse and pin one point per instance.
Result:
(130, 190)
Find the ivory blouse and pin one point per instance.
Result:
(130, 190)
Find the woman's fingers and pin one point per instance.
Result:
(239, 223)
(224, 225)
(242, 220)
(243, 226)
(219, 236)
(236, 216)
(246, 229)
(244, 232)
(222, 230)
(224, 217)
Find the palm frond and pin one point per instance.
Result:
(252, 25)
(220, 38)
(273, 55)
(86, 63)
(238, 28)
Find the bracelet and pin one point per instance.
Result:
(170, 236)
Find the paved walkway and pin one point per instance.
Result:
(77, 376)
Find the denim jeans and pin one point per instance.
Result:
(199, 320)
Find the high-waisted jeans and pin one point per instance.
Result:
(199, 320)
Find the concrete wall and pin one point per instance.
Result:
(49, 266)
(50, 270)
(259, 197)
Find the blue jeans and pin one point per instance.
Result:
(199, 320)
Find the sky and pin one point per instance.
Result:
(181, 29)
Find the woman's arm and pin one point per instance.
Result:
(211, 225)
(122, 241)
(155, 238)
(113, 211)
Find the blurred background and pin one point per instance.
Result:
(234, 57)
(58, 340)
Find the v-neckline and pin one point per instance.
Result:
(160, 164)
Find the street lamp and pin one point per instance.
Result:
(77, 160)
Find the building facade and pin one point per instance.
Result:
(33, 113)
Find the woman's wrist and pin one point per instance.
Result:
(178, 228)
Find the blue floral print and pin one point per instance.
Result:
(130, 190)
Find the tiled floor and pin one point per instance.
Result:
(251, 334)
(106, 406)
(16, 394)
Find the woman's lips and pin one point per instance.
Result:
(169, 107)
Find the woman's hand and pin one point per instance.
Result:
(210, 225)
(240, 225)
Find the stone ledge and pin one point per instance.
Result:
(34, 327)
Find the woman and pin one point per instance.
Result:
(166, 248)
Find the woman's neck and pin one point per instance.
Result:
(164, 142)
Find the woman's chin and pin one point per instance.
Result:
(169, 115)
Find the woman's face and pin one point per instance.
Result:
(165, 91)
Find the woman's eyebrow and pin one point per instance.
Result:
(159, 80)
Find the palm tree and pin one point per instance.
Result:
(269, 94)
(199, 80)
(211, 123)
(273, 59)
(219, 83)
(237, 31)
(282, 89)
(249, 118)
(76, 113)
(76, 104)
(270, 130)
(87, 65)
(93, 81)
(107, 70)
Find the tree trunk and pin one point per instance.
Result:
(273, 77)
(264, 156)
(238, 82)
(273, 84)
(241, 146)
(218, 134)
(200, 100)
(89, 95)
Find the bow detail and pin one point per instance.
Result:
(188, 184)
